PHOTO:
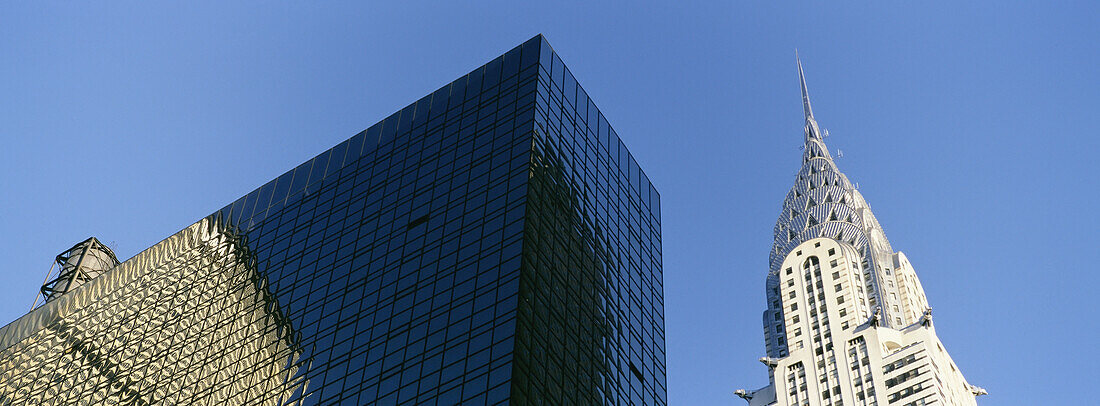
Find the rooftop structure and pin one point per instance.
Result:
(847, 321)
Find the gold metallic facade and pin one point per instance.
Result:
(187, 321)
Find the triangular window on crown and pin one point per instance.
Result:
(840, 236)
(793, 214)
(844, 200)
(810, 203)
(828, 198)
(790, 235)
(813, 221)
(797, 194)
(832, 216)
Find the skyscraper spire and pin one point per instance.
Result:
(805, 94)
(812, 131)
(847, 319)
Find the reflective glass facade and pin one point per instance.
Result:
(492, 243)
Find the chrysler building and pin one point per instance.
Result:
(847, 321)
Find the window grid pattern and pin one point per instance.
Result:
(591, 308)
(394, 257)
(402, 271)
(418, 262)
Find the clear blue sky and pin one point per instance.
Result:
(971, 129)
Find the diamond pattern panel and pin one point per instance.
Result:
(186, 322)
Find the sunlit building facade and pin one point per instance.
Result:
(492, 243)
(847, 320)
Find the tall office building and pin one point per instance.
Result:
(492, 243)
(847, 320)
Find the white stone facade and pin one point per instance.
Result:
(847, 320)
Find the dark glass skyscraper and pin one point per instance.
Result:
(492, 243)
